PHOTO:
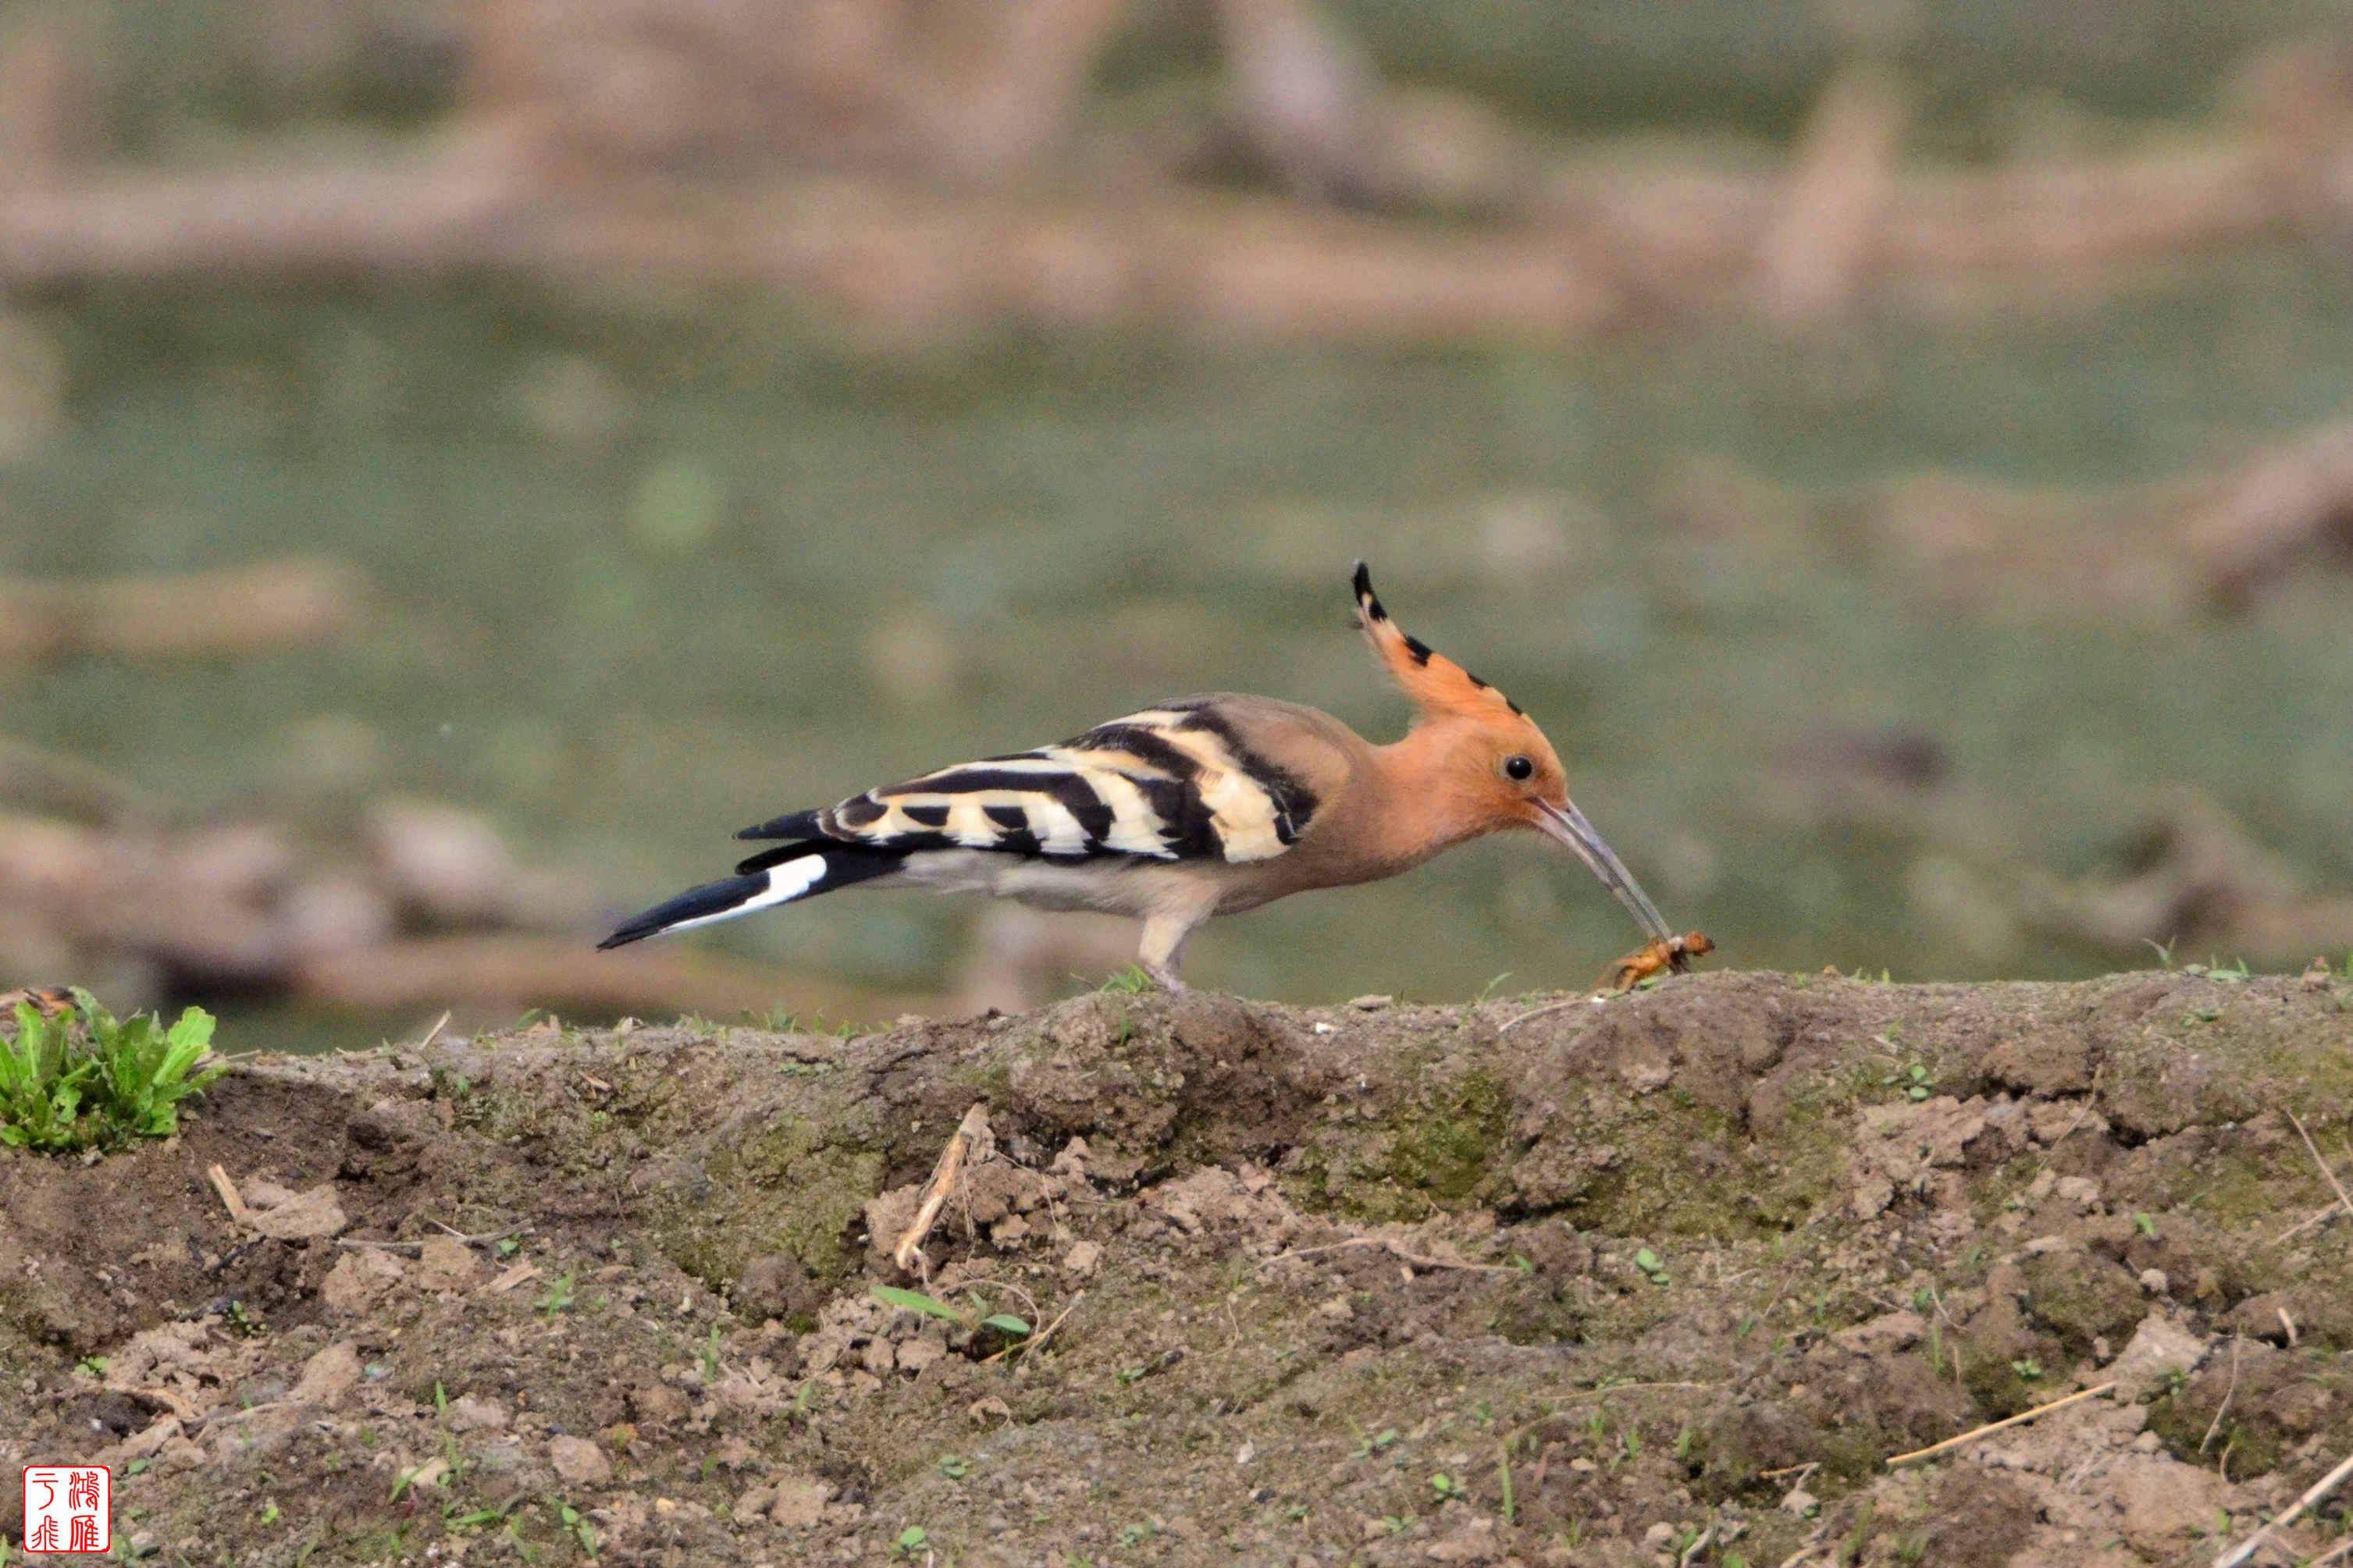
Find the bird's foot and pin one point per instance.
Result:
(1162, 976)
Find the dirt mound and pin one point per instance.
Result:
(1666, 1278)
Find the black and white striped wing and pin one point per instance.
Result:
(1173, 783)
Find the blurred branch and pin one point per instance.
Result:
(1303, 97)
(2272, 509)
(914, 259)
(292, 213)
(278, 604)
(2153, 548)
(970, 92)
(1689, 234)
(2198, 878)
(52, 783)
(866, 155)
(47, 113)
(1819, 251)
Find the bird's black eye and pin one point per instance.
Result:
(1518, 768)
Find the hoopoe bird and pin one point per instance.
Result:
(1206, 805)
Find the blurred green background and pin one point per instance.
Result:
(650, 562)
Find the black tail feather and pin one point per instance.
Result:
(755, 887)
(696, 903)
(797, 824)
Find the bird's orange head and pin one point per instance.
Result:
(1484, 766)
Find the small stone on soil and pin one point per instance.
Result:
(2159, 1348)
(578, 1460)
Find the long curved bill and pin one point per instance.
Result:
(1568, 824)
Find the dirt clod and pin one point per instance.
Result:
(579, 1461)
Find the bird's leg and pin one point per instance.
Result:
(1164, 940)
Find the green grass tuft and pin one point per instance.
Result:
(84, 1079)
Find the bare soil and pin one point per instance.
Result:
(1666, 1278)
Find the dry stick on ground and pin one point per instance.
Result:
(1814, 1544)
(2091, 1099)
(2313, 1494)
(485, 1238)
(1394, 1248)
(416, 1248)
(1547, 1007)
(990, 1282)
(970, 1133)
(2022, 1416)
(2231, 1388)
(2327, 1175)
(231, 1199)
(1031, 1347)
(2333, 1554)
(2300, 1227)
(1691, 1553)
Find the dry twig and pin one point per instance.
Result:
(416, 1248)
(2326, 1174)
(514, 1276)
(2018, 1419)
(2333, 1554)
(1031, 1347)
(971, 1133)
(2313, 1494)
(2309, 1221)
(1547, 1007)
(2091, 1099)
(1394, 1248)
(231, 1199)
(486, 1237)
(2233, 1387)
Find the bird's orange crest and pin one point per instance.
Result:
(1435, 682)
